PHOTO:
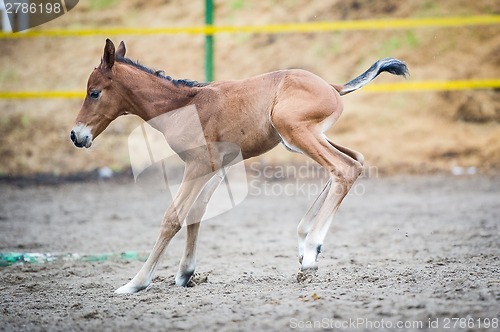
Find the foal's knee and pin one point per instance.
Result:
(169, 227)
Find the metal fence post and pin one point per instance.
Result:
(209, 41)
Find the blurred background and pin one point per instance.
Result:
(398, 132)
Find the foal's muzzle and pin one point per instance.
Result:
(81, 136)
(74, 139)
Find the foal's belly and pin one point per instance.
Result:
(252, 140)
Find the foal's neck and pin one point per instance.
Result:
(149, 96)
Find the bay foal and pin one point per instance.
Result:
(294, 107)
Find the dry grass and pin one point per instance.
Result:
(407, 132)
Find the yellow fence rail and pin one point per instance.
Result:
(387, 87)
(42, 94)
(382, 24)
(434, 86)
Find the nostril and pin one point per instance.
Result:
(73, 136)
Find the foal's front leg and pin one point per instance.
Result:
(171, 224)
(187, 265)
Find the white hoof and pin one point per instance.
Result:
(310, 258)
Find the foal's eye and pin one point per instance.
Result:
(95, 94)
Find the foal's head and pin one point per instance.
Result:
(102, 103)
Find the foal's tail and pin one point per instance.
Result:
(391, 65)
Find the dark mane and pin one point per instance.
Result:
(160, 73)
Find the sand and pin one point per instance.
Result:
(404, 253)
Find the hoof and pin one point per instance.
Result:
(131, 289)
(183, 279)
(307, 276)
(194, 279)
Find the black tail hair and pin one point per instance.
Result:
(390, 65)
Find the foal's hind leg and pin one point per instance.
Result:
(308, 219)
(343, 171)
(187, 265)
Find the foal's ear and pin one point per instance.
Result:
(121, 49)
(108, 59)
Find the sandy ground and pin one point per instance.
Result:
(419, 251)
